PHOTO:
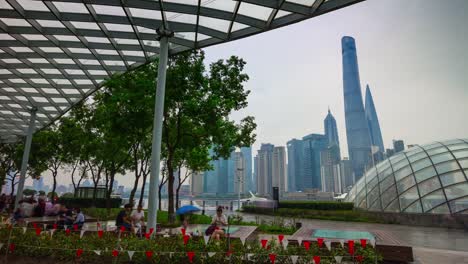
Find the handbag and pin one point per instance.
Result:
(210, 230)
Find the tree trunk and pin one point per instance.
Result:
(170, 191)
(142, 192)
(109, 191)
(137, 177)
(54, 185)
(178, 189)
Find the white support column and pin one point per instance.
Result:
(157, 128)
(24, 162)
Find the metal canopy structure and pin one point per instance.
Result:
(55, 53)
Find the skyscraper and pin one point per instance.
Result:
(247, 155)
(331, 130)
(313, 144)
(279, 171)
(196, 183)
(255, 175)
(264, 170)
(346, 174)
(330, 169)
(240, 179)
(357, 130)
(373, 123)
(398, 145)
(295, 163)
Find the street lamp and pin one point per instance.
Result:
(240, 181)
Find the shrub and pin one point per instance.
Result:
(316, 205)
(90, 202)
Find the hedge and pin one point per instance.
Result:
(316, 205)
(90, 202)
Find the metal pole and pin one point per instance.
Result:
(24, 162)
(157, 128)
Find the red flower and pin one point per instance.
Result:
(115, 253)
(79, 252)
(320, 242)
(307, 245)
(149, 254)
(316, 259)
(67, 231)
(363, 243)
(186, 239)
(280, 238)
(190, 255)
(38, 231)
(264, 243)
(100, 233)
(272, 258)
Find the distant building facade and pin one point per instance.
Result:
(279, 171)
(346, 175)
(330, 169)
(313, 145)
(248, 176)
(265, 170)
(196, 183)
(398, 145)
(295, 163)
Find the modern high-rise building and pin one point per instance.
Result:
(231, 172)
(240, 180)
(265, 170)
(374, 126)
(331, 130)
(313, 145)
(247, 155)
(38, 184)
(255, 175)
(210, 179)
(346, 175)
(279, 171)
(330, 169)
(398, 145)
(295, 163)
(357, 129)
(196, 183)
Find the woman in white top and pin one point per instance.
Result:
(138, 217)
(220, 221)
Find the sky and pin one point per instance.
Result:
(413, 54)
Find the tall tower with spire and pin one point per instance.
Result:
(331, 130)
(357, 130)
(373, 123)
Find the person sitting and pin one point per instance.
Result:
(27, 207)
(138, 217)
(65, 216)
(79, 219)
(219, 220)
(39, 210)
(123, 218)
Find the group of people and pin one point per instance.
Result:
(131, 220)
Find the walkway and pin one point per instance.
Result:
(451, 243)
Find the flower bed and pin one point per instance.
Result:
(90, 248)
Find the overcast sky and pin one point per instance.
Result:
(413, 54)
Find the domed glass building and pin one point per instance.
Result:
(430, 178)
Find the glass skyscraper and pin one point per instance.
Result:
(247, 155)
(357, 129)
(331, 130)
(313, 145)
(295, 162)
(373, 123)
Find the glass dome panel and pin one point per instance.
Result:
(452, 178)
(388, 196)
(447, 166)
(436, 151)
(442, 209)
(414, 208)
(408, 197)
(405, 184)
(421, 164)
(459, 204)
(428, 186)
(456, 191)
(400, 174)
(432, 200)
(425, 174)
(441, 157)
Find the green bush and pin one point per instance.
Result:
(316, 205)
(90, 202)
(335, 215)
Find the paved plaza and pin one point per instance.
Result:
(430, 245)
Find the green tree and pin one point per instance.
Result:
(29, 192)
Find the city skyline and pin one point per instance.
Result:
(296, 86)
